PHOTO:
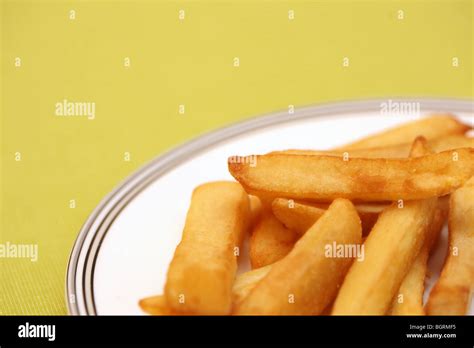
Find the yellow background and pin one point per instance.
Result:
(186, 62)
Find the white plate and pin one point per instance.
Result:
(123, 251)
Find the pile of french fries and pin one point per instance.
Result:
(341, 232)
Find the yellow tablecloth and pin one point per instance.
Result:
(163, 72)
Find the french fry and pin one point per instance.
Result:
(244, 283)
(300, 216)
(431, 127)
(453, 291)
(296, 216)
(202, 272)
(325, 178)
(439, 220)
(449, 142)
(390, 251)
(369, 213)
(256, 209)
(409, 300)
(155, 305)
(306, 280)
(270, 241)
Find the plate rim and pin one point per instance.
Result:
(89, 239)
